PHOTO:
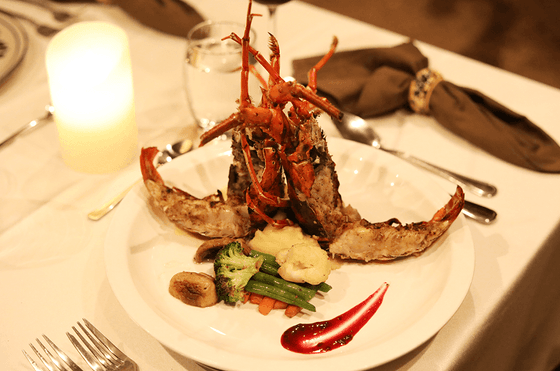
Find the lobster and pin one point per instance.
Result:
(278, 138)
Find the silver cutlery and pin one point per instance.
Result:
(479, 213)
(98, 351)
(355, 128)
(170, 152)
(30, 125)
(41, 28)
(59, 15)
(53, 361)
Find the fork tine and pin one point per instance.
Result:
(53, 361)
(97, 352)
(116, 351)
(89, 357)
(41, 358)
(103, 350)
(121, 360)
(73, 366)
(35, 366)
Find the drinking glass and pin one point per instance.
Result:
(272, 5)
(212, 72)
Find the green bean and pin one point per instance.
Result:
(270, 266)
(268, 258)
(269, 269)
(278, 294)
(323, 287)
(302, 292)
(273, 271)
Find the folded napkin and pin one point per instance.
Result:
(373, 82)
(174, 17)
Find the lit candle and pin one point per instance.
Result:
(90, 80)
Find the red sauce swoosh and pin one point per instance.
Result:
(324, 336)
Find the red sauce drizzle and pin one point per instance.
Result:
(324, 336)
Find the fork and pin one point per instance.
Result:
(53, 362)
(99, 352)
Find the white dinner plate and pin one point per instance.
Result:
(13, 45)
(143, 252)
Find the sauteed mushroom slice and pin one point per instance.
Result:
(197, 289)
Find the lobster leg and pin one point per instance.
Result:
(256, 73)
(269, 177)
(312, 74)
(283, 92)
(231, 122)
(275, 76)
(301, 92)
(274, 58)
(263, 216)
(245, 100)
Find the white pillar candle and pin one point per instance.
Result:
(90, 80)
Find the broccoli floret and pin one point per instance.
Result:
(233, 270)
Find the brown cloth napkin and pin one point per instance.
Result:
(174, 17)
(373, 82)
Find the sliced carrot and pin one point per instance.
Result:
(266, 305)
(280, 305)
(255, 298)
(292, 310)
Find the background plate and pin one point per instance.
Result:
(13, 45)
(142, 252)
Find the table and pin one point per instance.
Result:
(51, 256)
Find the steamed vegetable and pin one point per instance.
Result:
(233, 270)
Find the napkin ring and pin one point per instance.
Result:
(421, 89)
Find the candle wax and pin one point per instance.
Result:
(91, 87)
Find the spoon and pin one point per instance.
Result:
(41, 28)
(355, 128)
(174, 150)
(30, 125)
(170, 152)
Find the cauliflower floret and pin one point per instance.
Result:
(304, 262)
(300, 257)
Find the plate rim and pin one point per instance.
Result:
(19, 33)
(141, 315)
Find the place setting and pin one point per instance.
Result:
(271, 221)
(32, 12)
(200, 173)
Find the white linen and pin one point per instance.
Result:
(51, 256)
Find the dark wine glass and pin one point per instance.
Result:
(272, 5)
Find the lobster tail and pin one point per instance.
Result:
(389, 240)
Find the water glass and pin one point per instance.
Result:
(212, 71)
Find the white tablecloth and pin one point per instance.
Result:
(51, 256)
